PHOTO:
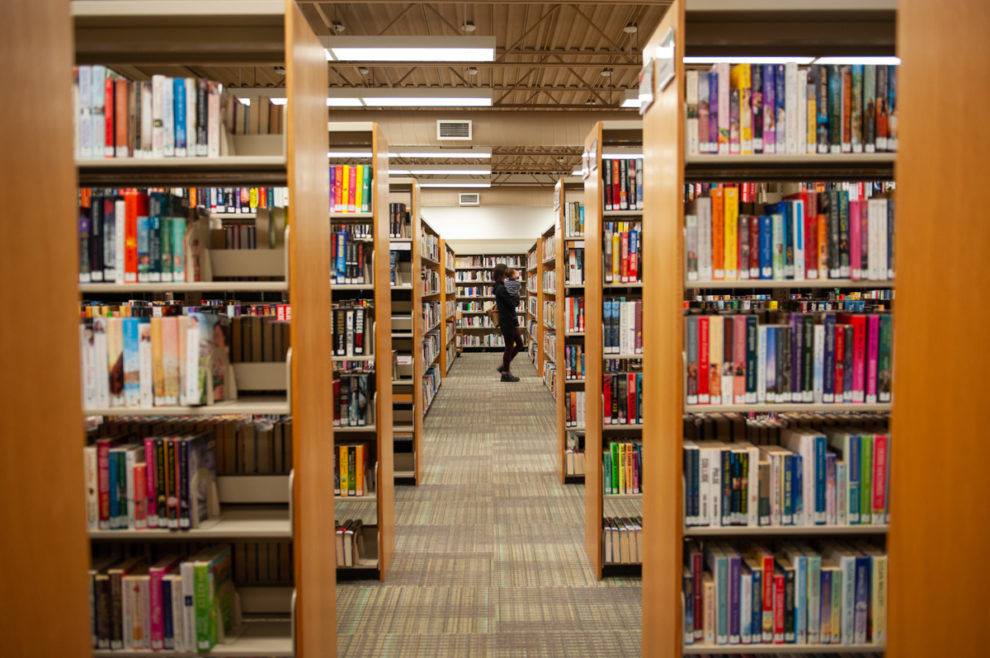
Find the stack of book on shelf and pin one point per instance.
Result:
(822, 231)
(623, 326)
(235, 200)
(574, 219)
(622, 395)
(351, 548)
(352, 400)
(159, 118)
(622, 540)
(575, 264)
(399, 221)
(352, 328)
(175, 603)
(353, 472)
(786, 592)
(574, 314)
(254, 115)
(350, 188)
(351, 247)
(574, 453)
(622, 247)
(622, 468)
(778, 357)
(573, 362)
(747, 109)
(574, 409)
(622, 183)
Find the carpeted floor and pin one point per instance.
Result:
(489, 557)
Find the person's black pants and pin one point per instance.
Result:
(513, 346)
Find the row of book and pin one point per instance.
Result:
(549, 314)
(350, 545)
(350, 255)
(160, 482)
(549, 345)
(244, 445)
(143, 362)
(622, 468)
(574, 409)
(622, 330)
(856, 301)
(768, 429)
(786, 109)
(532, 303)
(575, 264)
(352, 327)
(448, 259)
(621, 246)
(835, 231)
(132, 236)
(475, 291)
(622, 540)
(431, 315)
(488, 262)
(812, 478)
(574, 314)
(450, 286)
(796, 592)
(574, 219)
(573, 365)
(259, 339)
(257, 115)
(549, 280)
(350, 188)
(481, 340)
(470, 307)
(431, 347)
(234, 200)
(429, 281)
(550, 376)
(470, 276)
(477, 322)
(622, 183)
(174, 604)
(352, 470)
(399, 221)
(622, 395)
(776, 357)
(159, 118)
(352, 402)
(264, 230)
(430, 384)
(429, 245)
(549, 247)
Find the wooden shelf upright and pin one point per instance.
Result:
(566, 188)
(667, 168)
(430, 267)
(533, 303)
(448, 299)
(367, 136)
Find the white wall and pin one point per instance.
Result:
(494, 229)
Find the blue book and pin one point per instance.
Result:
(800, 597)
(797, 339)
(735, 573)
(713, 111)
(787, 516)
(766, 247)
(821, 477)
(687, 587)
(797, 487)
(828, 387)
(179, 103)
(132, 362)
(168, 626)
(143, 249)
(782, 118)
(769, 109)
(854, 473)
(756, 624)
(862, 594)
(771, 383)
(634, 248)
(825, 603)
(718, 566)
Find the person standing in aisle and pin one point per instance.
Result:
(507, 322)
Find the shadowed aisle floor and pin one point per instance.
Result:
(489, 557)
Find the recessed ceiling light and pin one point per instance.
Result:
(468, 26)
(472, 70)
(364, 70)
(630, 28)
(606, 73)
(338, 27)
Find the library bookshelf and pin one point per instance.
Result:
(547, 325)
(474, 271)
(448, 303)
(429, 346)
(568, 192)
(376, 513)
(607, 140)
(533, 303)
(665, 288)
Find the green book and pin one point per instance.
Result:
(366, 190)
(213, 596)
(165, 238)
(866, 480)
(607, 473)
(178, 248)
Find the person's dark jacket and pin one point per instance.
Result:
(507, 320)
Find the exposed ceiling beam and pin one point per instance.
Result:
(525, 34)
(656, 3)
(493, 65)
(405, 10)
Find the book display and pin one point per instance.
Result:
(570, 351)
(363, 374)
(767, 346)
(209, 420)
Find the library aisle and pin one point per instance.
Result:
(489, 557)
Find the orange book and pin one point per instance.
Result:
(359, 469)
(120, 118)
(617, 252)
(718, 234)
(342, 469)
(731, 204)
(822, 246)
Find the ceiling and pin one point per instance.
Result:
(549, 56)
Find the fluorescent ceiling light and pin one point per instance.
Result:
(800, 59)
(577, 172)
(622, 156)
(409, 49)
(441, 170)
(428, 152)
(454, 183)
(859, 60)
(341, 154)
(279, 101)
(411, 97)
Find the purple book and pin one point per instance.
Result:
(769, 109)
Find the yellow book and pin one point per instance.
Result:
(617, 252)
(629, 468)
(359, 189)
(359, 469)
(622, 468)
(345, 188)
(812, 136)
(158, 367)
(342, 469)
(731, 232)
(253, 197)
(740, 79)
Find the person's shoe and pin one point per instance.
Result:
(499, 369)
(509, 377)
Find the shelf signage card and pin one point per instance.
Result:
(665, 61)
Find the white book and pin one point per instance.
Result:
(118, 233)
(691, 244)
(714, 449)
(84, 115)
(98, 84)
(88, 371)
(191, 146)
(168, 119)
(187, 572)
(761, 364)
(92, 486)
(76, 116)
(704, 209)
(704, 491)
(883, 265)
(189, 390)
(213, 121)
(801, 129)
(745, 606)
(753, 486)
(130, 459)
(158, 115)
(819, 363)
(790, 107)
(797, 215)
(692, 118)
(146, 372)
(722, 69)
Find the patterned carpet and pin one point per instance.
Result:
(489, 557)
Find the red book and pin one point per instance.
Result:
(581, 314)
(769, 591)
(703, 360)
(879, 477)
(103, 481)
(718, 234)
(634, 256)
(697, 566)
(810, 235)
(120, 118)
(840, 360)
(108, 120)
(778, 607)
(754, 248)
(616, 186)
(140, 496)
(858, 323)
(573, 414)
(624, 262)
(631, 398)
(607, 402)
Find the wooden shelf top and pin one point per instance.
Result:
(366, 498)
(627, 496)
(622, 213)
(621, 284)
(254, 639)
(696, 649)
(352, 215)
(180, 287)
(612, 357)
(790, 406)
(355, 429)
(171, 171)
(575, 334)
(768, 283)
(844, 166)
(352, 286)
(619, 427)
(573, 381)
(261, 405)
(786, 530)
(259, 523)
(355, 357)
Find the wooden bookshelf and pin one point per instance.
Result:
(532, 292)
(545, 325)
(461, 266)
(566, 190)
(667, 168)
(604, 138)
(448, 332)
(425, 265)
(368, 136)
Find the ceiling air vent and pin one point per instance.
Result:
(454, 130)
(469, 198)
